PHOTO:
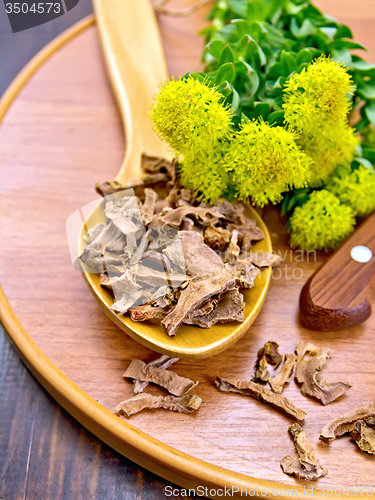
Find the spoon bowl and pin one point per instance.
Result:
(136, 66)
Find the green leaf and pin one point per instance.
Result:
(361, 124)
(242, 67)
(253, 48)
(276, 117)
(342, 56)
(293, 9)
(241, 26)
(236, 100)
(304, 56)
(305, 30)
(368, 153)
(275, 71)
(329, 32)
(366, 91)
(244, 118)
(288, 63)
(196, 75)
(343, 31)
(262, 55)
(226, 72)
(342, 43)
(366, 163)
(302, 198)
(255, 11)
(228, 33)
(280, 82)
(370, 112)
(279, 101)
(252, 83)
(284, 205)
(226, 55)
(274, 36)
(360, 64)
(261, 109)
(292, 203)
(225, 88)
(239, 7)
(244, 43)
(215, 48)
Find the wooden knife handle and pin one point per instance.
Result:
(136, 65)
(339, 294)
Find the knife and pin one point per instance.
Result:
(339, 294)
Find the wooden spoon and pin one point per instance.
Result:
(339, 294)
(136, 65)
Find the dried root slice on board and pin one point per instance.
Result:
(268, 354)
(173, 383)
(257, 391)
(184, 404)
(162, 362)
(304, 464)
(364, 435)
(347, 424)
(285, 374)
(307, 374)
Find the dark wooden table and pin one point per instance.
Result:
(44, 453)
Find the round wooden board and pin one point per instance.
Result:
(62, 134)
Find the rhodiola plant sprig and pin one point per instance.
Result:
(282, 29)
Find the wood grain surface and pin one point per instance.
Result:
(61, 136)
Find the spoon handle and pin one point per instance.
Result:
(339, 294)
(136, 65)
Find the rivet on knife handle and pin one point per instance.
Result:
(339, 294)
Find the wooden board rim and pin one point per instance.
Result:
(148, 452)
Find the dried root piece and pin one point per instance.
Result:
(229, 308)
(184, 404)
(307, 371)
(233, 250)
(346, 423)
(162, 362)
(176, 385)
(277, 383)
(217, 238)
(259, 392)
(267, 354)
(364, 435)
(304, 464)
(148, 207)
(264, 259)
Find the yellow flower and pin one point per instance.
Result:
(356, 189)
(322, 223)
(317, 98)
(328, 151)
(265, 161)
(316, 107)
(203, 170)
(189, 114)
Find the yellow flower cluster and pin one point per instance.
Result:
(316, 107)
(265, 161)
(328, 151)
(203, 170)
(258, 162)
(189, 114)
(356, 189)
(321, 223)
